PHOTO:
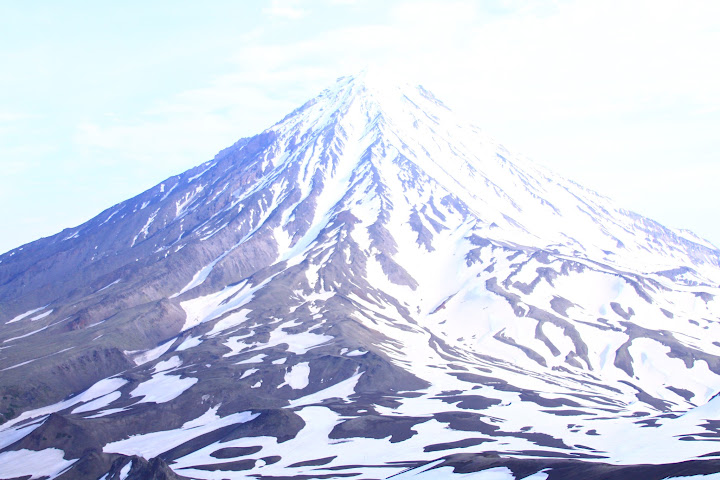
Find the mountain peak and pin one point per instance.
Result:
(403, 132)
(376, 79)
(370, 100)
(375, 89)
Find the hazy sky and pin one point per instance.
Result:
(101, 100)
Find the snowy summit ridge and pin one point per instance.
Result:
(376, 279)
(514, 199)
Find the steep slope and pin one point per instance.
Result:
(366, 286)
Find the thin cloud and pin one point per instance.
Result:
(285, 9)
(7, 117)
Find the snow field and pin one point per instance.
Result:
(652, 363)
(299, 343)
(153, 444)
(38, 464)
(162, 388)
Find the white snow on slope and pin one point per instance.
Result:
(152, 354)
(248, 372)
(188, 343)
(144, 229)
(98, 403)
(162, 388)
(298, 343)
(42, 315)
(8, 430)
(207, 308)
(33, 332)
(710, 476)
(153, 444)
(340, 390)
(109, 285)
(170, 364)
(25, 315)
(298, 377)
(528, 204)
(37, 464)
(125, 471)
(254, 359)
(432, 472)
(204, 272)
(105, 413)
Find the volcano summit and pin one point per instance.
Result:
(368, 288)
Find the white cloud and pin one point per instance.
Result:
(7, 117)
(578, 58)
(285, 9)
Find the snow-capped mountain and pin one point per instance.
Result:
(368, 288)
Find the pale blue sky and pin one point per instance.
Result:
(101, 100)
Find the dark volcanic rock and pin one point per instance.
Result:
(376, 426)
(232, 452)
(142, 469)
(564, 469)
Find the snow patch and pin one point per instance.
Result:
(256, 359)
(298, 377)
(125, 471)
(25, 315)
(355, 353)
(205, 309)
(98, 403)
(37, 464)
(169, 364)
(109, 285)
(150, 355)
(341, 390)
(101, 388)
(298, 343)
(163, 388)
(188, 343)
(153, 444)
(249, 372)
(42, 315)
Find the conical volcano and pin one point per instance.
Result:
(369, 287)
